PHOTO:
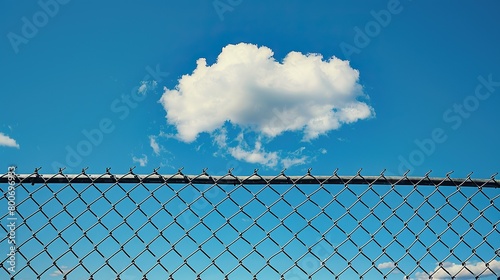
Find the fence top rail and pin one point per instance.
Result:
(253, 179)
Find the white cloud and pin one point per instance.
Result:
(295, 158)
(299, 151)
(323, 151)
(385, 265)
(460, 271)
(289, 161)
(220, 137)
(57, 273)
(147, 86)
(250, 89)
(154, 145)
(7, 141)
(142, 160)
(198, 148)
(257, 155)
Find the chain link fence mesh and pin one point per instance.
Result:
(130, 226)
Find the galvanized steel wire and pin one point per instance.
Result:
(178, 226)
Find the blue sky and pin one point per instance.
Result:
(86, 56)
(83, 84)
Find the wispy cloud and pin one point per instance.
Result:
(7, 141)
(220, 137)
(459, 271)
(386, 265)
(198, 148)
(57, 273)
(143, 161)
(154, 145)
(147, 86)
(289, 162)
(295, 158)
(255, 155)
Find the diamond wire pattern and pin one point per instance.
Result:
(85, 226)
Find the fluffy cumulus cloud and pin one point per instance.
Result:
(459, 271)
(247, 88)
(7, 141)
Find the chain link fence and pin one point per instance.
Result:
(130, 226)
